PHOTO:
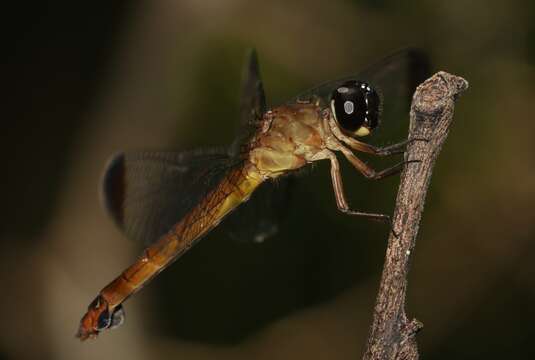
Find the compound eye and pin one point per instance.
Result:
(355, 106)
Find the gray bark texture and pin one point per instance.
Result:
(392, 334)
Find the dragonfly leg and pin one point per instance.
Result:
(398, 148)
(341, 201)
(371, 173)
(393, 149)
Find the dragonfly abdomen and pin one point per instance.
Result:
(235, 188)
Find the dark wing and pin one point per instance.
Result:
(402, 71)
(252, 102)
(259, 218)
(394, 77)
(253, 99)
(146, 193)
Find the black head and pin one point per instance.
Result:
(356, 107)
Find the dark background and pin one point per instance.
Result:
(81, 83)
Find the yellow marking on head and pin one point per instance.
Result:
(362, 131)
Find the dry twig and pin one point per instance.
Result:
(392, 333)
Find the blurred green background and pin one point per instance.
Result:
(83, 81)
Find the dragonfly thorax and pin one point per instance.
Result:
(294, 135)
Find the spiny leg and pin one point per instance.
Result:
(370, 172)
(341, 201)
(394, 149)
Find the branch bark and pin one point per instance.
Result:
(392, 334)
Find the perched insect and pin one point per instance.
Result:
(171, 200)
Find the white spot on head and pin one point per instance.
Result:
(342, 89)
(408, 252)
(349, 107)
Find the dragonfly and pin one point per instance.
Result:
(171, 200)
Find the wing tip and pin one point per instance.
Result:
(419, 66)
(114, 187)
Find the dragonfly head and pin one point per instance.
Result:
(99, 317)
(356, 107)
